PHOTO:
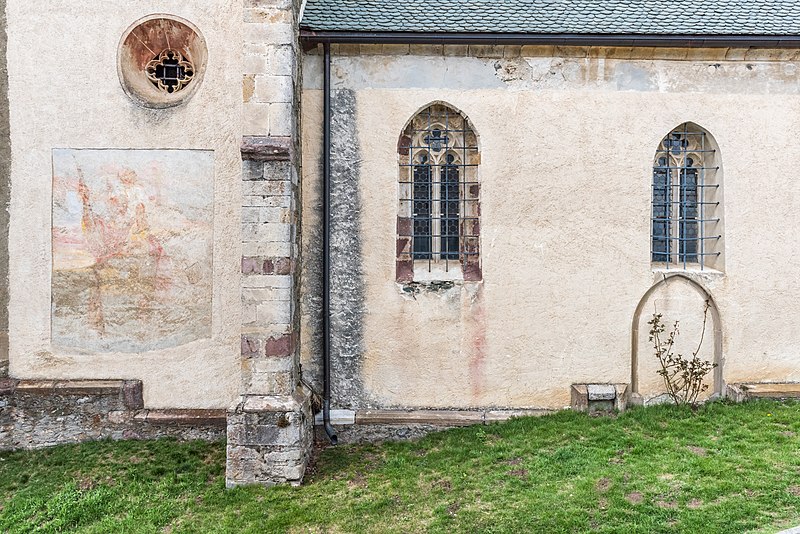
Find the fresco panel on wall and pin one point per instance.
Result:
(132, 244)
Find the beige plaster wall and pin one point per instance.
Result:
(567, 144)
(65, 93)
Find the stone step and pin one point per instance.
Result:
(783, 390)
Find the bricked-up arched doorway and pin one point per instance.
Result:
(716, 330)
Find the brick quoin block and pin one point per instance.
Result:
(472, 271)
(261, 265)
(251, 266)
(405, 226)
(405, 271)
(133, 394)
(282, 346)
(282, 266)
(403, 247)
(250, 346)
(268, 266)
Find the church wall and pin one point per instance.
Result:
(567, 139)
(165, 309)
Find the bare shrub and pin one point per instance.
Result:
(683, 377)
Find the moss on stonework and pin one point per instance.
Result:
(433, 286)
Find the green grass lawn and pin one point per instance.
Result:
(725, 468)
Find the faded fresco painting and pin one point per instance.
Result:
(132, 242)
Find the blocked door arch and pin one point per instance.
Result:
(718, 386)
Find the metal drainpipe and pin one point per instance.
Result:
(326, 251)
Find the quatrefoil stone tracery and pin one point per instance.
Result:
(681, 149)
(170, 71)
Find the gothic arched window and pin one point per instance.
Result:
(438, 225)
(686, 221)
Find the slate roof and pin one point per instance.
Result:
(640, 17)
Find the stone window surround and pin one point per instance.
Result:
(706, 155)
(466, 268)
(144, 42)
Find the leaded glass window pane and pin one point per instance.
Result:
(422, 209)
(661, 211)
(450, 218)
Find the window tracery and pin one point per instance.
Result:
(170, 71)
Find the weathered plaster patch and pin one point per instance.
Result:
(633, 77)
(132, 242)
(434, 286)
(540, 73)
(410, 72)
(564, 70)
(347, 291)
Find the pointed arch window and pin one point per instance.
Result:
(438, 226)
(686, 220)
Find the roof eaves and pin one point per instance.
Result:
(563, 39)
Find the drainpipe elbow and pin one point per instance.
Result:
(326, 421)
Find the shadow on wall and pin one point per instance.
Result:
(678, 298)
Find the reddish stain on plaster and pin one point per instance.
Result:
(147, 40)
(477, 346)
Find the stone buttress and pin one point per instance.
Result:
(270, 426)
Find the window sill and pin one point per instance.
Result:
(690, 269)
(438, 271)
(694, 272)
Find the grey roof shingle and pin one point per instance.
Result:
(640, 17)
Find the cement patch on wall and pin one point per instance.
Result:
(132, 242)
(347, 284)
(5, 157)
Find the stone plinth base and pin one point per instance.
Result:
(269, 439)
(599, 397)
(778, 390)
